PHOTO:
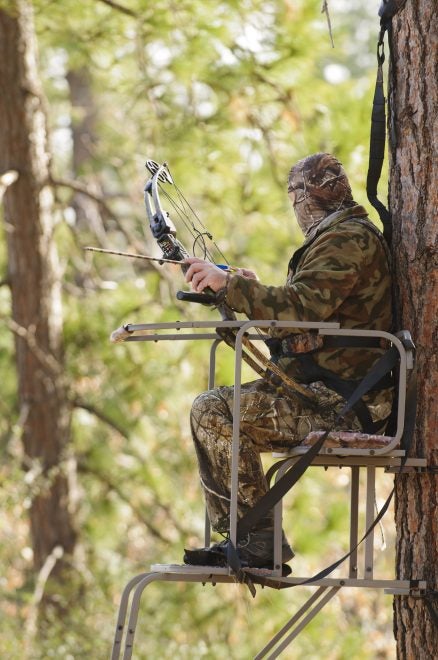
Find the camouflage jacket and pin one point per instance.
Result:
(342, 274)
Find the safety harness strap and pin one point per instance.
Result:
(341, 386)
(388, 9)
(377, 142)
(310, 342)
(382, 367)
(302, 347)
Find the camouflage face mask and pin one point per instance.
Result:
(320, 187)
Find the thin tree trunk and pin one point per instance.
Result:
(84, 119)
(414, 203)
(35, 282)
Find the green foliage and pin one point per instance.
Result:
(231, 94)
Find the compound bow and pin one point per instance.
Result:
(164, 232)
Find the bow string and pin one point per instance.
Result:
(159, 220)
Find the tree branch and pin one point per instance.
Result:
(119, 492)
(79, 187)
(325, 10)
(118, 7)
(107, 420)
(47, 360)
(43, 576)
(267, 138)
(78, 403)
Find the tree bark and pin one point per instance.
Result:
(414, 201)
(35, 281)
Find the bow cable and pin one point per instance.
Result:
(185, 210)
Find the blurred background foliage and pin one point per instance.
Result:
(230, 93)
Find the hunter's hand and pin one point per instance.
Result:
(245, 272)
(202, 274)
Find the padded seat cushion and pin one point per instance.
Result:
(349, 439)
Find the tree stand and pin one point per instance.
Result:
(342, 450)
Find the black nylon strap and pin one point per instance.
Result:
(280, 348)
(406, 443)
(274, 495)
(383, 366)
(347, 388)
(287, 481)
(387, 10)
(377, 143)
(326, 571)
(410, 412)
(264, 505)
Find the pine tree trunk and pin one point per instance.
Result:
(35, 282)
(414, 202)
(84, 120)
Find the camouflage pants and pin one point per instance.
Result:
(270, 421)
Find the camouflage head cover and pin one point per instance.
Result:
(321, 187)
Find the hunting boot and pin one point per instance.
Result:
(256, 550)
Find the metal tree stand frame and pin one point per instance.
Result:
(389, 457)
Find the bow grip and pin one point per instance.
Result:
(203, 298)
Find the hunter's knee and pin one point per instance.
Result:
(210, 403)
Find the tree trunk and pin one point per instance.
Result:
(414, 201)
(84, 121)
(35, 282)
